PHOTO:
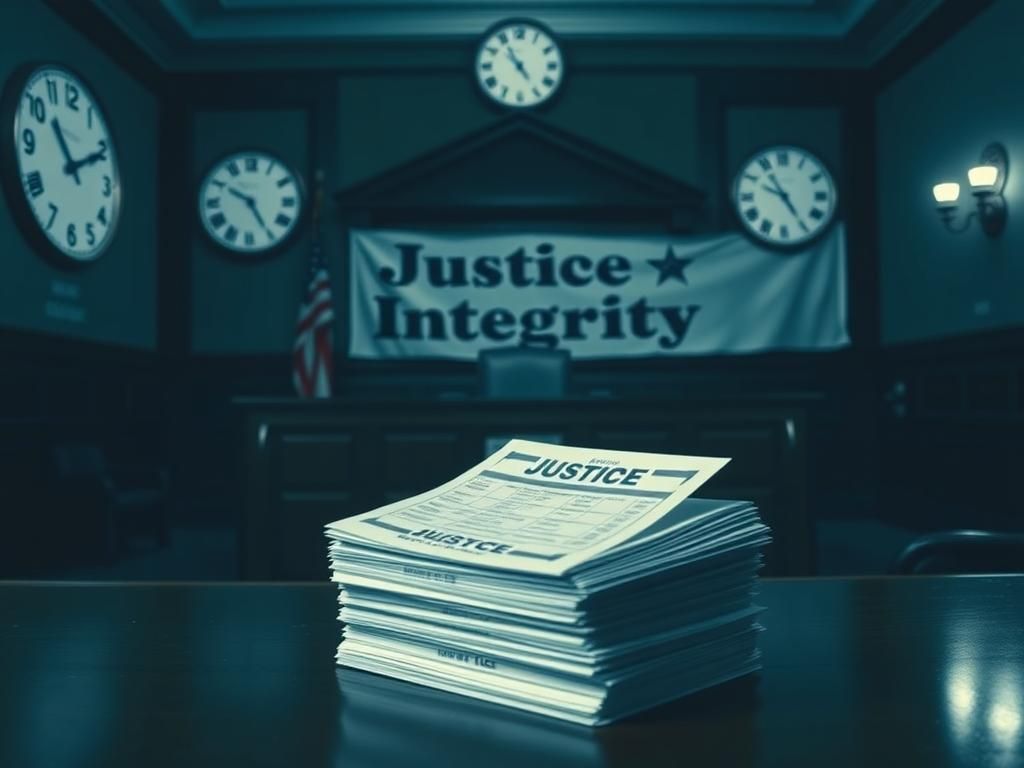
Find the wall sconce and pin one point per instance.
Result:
(987, 180)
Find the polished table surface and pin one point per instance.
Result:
(860, 672)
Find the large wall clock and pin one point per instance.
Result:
(519, 64)
(784, 196)
(250, 202)
(59, 164)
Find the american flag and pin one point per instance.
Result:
(312, 361)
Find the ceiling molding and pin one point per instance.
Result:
(194, 35)
(899, 27)
(163, 43)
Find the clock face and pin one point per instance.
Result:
(63, 183)
(250, 202)
(519, 64)
(784, 196)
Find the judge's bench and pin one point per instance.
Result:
(305, 463)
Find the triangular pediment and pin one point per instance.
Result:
(524, 163)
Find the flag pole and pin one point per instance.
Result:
(312, 352)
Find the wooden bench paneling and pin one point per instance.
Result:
(317, 461)
(306, 463)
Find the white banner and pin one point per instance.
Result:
(424, 294)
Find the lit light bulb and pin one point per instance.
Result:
(946, 194)
(983, 177)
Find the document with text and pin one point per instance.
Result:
(577, 583)
(535, 507)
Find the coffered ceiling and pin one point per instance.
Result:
(243, 34)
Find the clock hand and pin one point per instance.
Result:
(778, 187)
(518, 62)
(69, 166)
(792, 210)
(250, 203)
(256, 213)
(785, 199)
(243, 197)
(93, 157)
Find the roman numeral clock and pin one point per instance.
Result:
(784, 196)
(250, 203)
(519, 64)
(59, 164)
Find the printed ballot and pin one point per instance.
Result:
(582, 584)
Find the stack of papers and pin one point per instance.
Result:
(453, 730)
(576, 583)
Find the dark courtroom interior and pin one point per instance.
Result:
(270, 264)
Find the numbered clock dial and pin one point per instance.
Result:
(784, 196)
(519, 64)
(250, 202)
(64, 183)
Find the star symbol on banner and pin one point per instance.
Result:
(670, 266)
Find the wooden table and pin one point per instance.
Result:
(860, 672)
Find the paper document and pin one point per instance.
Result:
(584, 585)
(535, 507)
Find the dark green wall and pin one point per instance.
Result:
(749, 129)
(932, 125)
(684, 123)
(113, 300)
(240, 307)
(386, 118)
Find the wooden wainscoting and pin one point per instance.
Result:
(304, 464)
(952, 432)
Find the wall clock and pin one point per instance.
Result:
(784, 196)
(59, 164)
(519, 64)
(250, 202)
